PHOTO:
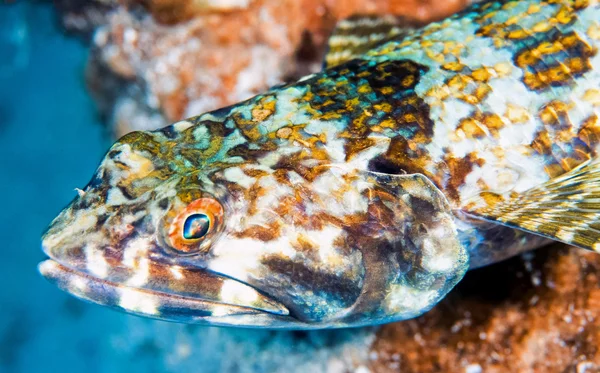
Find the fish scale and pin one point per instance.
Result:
(361, 194)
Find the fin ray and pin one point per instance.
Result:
(565, 208)
(358, 34)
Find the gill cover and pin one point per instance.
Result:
(349, 248)
(410, 248)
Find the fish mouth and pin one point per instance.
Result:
(253, 309)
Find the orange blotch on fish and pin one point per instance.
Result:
(477, 96)
(383, 107)
(542, 143)
(265, 233)
(408, 81)
(264, 109)
(556, 114)
(254, 172)
(284, 133)
(293, 209)
(470, 128)
(249, 128)
(459, 169)
(305, 244)
(564, 15)
(554, 169)
(533, 8)
(518, 34)
(589, 132)
(569, 163)
(492, 121)
(253, 195)
(454, 66)
(483, 74)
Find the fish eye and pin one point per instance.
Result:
(196, 226)
(191, 228)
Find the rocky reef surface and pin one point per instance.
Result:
(158, 61)
(539, 312)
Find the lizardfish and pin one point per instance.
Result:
(359, 195)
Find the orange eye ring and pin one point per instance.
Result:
(194, 236)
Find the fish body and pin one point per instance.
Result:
(359, 195)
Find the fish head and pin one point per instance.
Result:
(167, 229)
(139, 236)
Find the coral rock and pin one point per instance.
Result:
(177, 59)
(536, 313)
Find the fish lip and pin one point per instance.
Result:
(152, 303)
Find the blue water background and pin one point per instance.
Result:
(51, 141)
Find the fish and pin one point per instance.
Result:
(358, 195)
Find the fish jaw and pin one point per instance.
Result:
(93, 262)
(138, 280)
(165, 306)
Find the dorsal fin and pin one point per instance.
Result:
(565, 208)
(358, 34)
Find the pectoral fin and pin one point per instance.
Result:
(357, 35)
(566, 208)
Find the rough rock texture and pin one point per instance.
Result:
(157, 61)
(535, 313)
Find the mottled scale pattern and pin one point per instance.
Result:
(505, 120)
(358, 195)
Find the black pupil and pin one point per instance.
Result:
(196, 226)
